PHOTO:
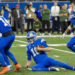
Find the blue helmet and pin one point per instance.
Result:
(30, 35)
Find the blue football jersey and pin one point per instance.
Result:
(40, 56)
(4, 25)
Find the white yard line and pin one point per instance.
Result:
(50, 47)
(21, 41)
(62, 50)
(47, 36)
(57, 44)
(48, 44)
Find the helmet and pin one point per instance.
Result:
(31, 35)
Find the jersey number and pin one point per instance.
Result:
(5, 22)
(34, 52)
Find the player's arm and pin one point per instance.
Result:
(28, 64)
(66, 14)
(28, 58)
(42, 48)
(60, 15)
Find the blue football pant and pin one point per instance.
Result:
(71, 44)
(50, 62)
(5, 44)
(2, 61)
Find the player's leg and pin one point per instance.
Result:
(2, 61)
(5, 56)
(41, 67)
(55, 63)
(3, 64)
(10, 55)
(3, 43)
(16, 26)
(71, 44)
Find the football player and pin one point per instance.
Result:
(71, 42)
(6, 42)
(37, 48)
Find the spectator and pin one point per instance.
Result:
(37, 25)
(72, 14)
(38, 13)
(72, 4)
(12, 19)
(55, 17)
(66, 6)
(6, 12)
(70, 9)
(17, 15)
(45, 19)
(63, 19)
(69, 12)
(30, 15)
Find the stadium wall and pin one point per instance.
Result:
(35, 4)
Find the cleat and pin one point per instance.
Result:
(74, 68)
(17, 67)
(5, 69)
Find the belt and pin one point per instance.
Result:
(7, 33)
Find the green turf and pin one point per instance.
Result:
(20, 54)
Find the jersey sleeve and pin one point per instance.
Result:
(37, 43)
(28, 54)
(43, 43)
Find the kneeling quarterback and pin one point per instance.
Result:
(37, 48)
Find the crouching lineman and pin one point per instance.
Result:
(5, 43)
(71, 42)
(37, 48)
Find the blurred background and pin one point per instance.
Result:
(42, 16)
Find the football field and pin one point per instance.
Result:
(59, 51)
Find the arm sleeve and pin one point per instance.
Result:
(51, 10)
(28, 55)
(43, 43)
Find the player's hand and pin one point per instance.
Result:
(26, 66)
(37, 48)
